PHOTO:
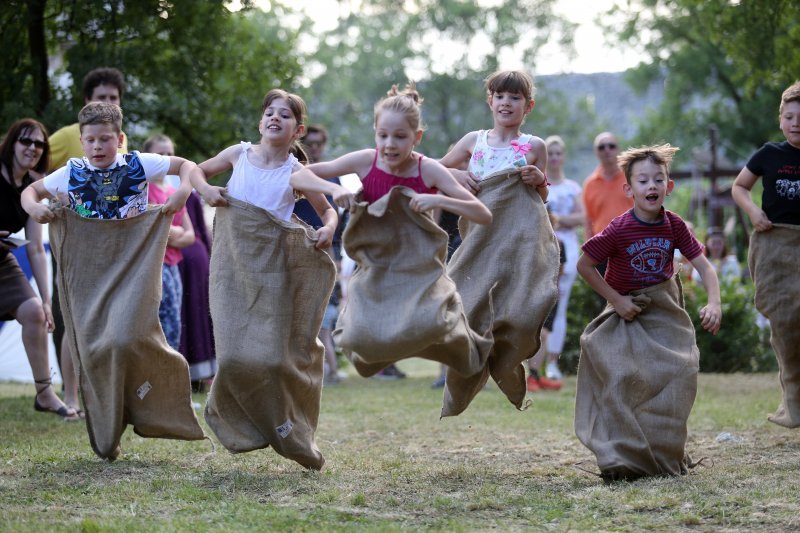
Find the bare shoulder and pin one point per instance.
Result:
(537, 155)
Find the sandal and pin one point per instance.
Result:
(63, 411)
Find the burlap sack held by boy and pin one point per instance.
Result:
(507, 275)
(400, 302)
(269, 286)
(637, 383)
(109, 275)
(774, 258)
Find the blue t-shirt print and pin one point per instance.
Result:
(108, 193)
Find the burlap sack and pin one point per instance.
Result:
(400, 302)
(636, 386)
(109, 274)
(269, 287)
(507, 275)
(774, 258)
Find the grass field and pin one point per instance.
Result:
(393, 465)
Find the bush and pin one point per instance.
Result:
(740, 346)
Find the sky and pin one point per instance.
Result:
(593, 54)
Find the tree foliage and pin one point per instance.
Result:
(724, 63)
(448, 47)
(194, 70)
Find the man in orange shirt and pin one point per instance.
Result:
(603, 194)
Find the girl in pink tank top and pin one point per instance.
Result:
(393, 162)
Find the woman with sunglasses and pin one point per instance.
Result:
(24, 157)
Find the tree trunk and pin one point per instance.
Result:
(38, 52)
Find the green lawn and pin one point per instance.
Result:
(393, 465)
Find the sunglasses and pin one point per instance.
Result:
(610, 146)
(27, 141)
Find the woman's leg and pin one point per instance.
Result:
(34, 338)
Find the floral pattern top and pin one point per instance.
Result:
(487, 160)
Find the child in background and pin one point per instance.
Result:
(564, 203)
(775, 246)
(725, 263)
(181, 235)
(637, 376)
(270, 283)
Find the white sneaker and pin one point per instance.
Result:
(552, 371)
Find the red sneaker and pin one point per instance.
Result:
(533, 384)
(549, 384)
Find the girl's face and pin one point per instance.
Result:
(555, 156)
(278, 123)
(715, 245)
(394, 138)
(27, 157)
(790, 123)
(509, 109)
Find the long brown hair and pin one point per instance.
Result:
(22, 128)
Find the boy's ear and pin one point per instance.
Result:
(628, 190)
(670, 186)
(121, 140)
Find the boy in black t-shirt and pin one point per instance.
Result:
(774, 253)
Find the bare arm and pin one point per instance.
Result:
(185, 169)
(183, 235)
(38, 262)
(741, 195)
(622, 304)
(303, 179)
(211, 167)
(457, 161)
(328, 215)
(353, 163)
(31, 200)
(457, 200)
(711, 314)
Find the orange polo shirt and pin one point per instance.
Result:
(604, 199)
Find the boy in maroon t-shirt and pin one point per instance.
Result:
(637, 377)
(640, 243)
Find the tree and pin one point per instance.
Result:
(194, 70)
(723, 62)
(436, 43)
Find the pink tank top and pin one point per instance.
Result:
(377, 182)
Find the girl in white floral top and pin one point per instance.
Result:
(509, 94)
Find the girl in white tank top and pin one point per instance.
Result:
(268, 189)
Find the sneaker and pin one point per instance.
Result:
(533, 384)
(549, 384)
(439, 383)
(331, 378)
(390, 373)
(552, 371)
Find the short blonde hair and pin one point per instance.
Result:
(555, 139)
(660, 154)
(100, 113)
(408, 102)
(791, 94)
